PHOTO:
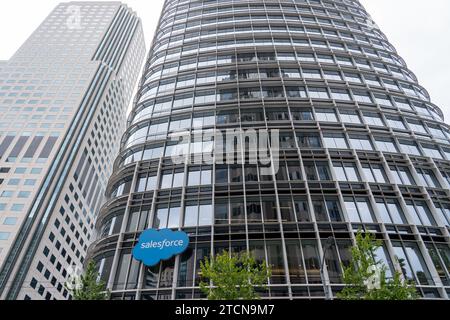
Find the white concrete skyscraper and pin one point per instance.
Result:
(63, 102)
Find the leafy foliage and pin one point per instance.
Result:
(233, 276)
(89, 288)
(365, 277)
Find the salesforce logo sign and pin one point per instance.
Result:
(154, 246)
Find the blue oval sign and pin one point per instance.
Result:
(154, 245)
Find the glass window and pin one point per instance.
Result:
(190, 215)
(395, 122)
(185, 81)
(335, 141)
(427, 177)
(352, 210)
(360, 142)
(383, 100)
(174, 217)
(362, 96)
(390, 84)
(443, 210)
(275, 259)
(353, 77)
(178, 180)
(440, 254)
(48, 147)
(194, 177)
(337, 255)
(221, 175)
(432, 151)
(205, 215)
(420, 213)
(312, 260)
(302, 114)
(4, 235)
(417, 126)
(254, 211)
(221, 212)
(437, 132)
(296, 92)
(374, 173)
(312, 73)
(203, 97)
(403, 104)
(346, 171)
(306, 57)
(166, 180)
(162, 213)
(344, 61)
(326, 209)
(317, 171)
(138, 136)
(291, 73)
(10, 221)
(390, 211)
(283, 56)
(302, 210)
(373, 119)
(340, 94)
(125, 269)
(20, 143)
(318, 93)
(287, 210)
(33, 146)
(401, 175)
(412, 262)
(295, 263)
(359, 210)
(181, 101)
(17, 207)
(179, 124)
(348, 116)
(207, 77)
(325, 58)
(410, 148)
(281, 114)
(382, 255)
(308, 140)
(386, 144)
(141, 183)
(332, 75)
(326, 115)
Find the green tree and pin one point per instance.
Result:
(365, 277)
(87, 286)
(233, 276)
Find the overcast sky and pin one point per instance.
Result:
(420, 30)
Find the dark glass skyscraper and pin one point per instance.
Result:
(360, 147)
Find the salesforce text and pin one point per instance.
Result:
(162, 244)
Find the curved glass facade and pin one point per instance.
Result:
(360, 147)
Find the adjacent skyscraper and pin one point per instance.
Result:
(63, 102)
(361, 146)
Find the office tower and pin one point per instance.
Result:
(361, 146)
(63, 102)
